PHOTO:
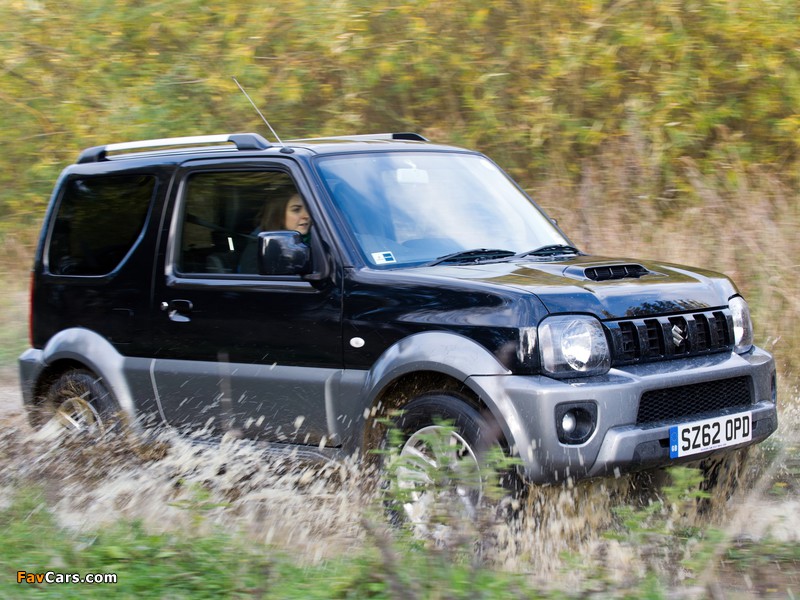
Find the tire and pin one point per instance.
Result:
(438, 466)
(77, 402)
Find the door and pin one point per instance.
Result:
(236, 351)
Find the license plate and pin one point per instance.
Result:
(710, 434)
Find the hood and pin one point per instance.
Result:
(608, 288)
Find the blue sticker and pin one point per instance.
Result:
(383, 258)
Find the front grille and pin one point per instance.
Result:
(678, 336)
(688, 401)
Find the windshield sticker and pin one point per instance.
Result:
(383, 258)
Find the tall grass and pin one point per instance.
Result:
(16, 257)
(653, 542)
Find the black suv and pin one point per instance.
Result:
(171, 280)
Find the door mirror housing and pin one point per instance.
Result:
(283, 253)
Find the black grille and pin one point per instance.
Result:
(693, 400)
(609, 272)
(676, 336)
(703, 331)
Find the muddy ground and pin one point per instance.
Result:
(315, 511)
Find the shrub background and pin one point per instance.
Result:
(649, 128)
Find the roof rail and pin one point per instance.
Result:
(406, 136)
(242, 141)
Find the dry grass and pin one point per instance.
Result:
(741, 223)
(15, 265)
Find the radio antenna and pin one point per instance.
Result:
(284, 148)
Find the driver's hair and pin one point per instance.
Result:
(272, 216)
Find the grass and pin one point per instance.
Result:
(392, 565)
(14, 327)
(179, 565)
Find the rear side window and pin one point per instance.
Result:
(98, 221)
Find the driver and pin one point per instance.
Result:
(291, 215)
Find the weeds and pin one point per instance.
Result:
(216, 565)
(198, 504)
(663, 536)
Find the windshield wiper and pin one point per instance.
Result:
(551, 250)
(471, 256)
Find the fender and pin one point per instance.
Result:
(449, 353)
(442, 352)
(93, 350)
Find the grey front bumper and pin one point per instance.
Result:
(526, 409)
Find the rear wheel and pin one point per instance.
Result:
(77, 402)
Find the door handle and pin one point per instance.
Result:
(177, 310)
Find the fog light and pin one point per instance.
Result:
(575, 422)
(568, 422)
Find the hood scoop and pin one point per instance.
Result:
(607, 272)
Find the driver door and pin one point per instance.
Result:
(238, 352)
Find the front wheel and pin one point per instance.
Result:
(447, 457)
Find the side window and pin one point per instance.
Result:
(98, 221)
(223, 213)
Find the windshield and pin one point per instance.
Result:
(413, 208)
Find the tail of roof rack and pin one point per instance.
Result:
(403, 135)
(409, 136)
(239, 141)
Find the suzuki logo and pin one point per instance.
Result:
(678, 336)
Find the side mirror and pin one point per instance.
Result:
(282, 253)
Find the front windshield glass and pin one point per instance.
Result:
(413, 208)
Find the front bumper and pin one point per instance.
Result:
(526, 409)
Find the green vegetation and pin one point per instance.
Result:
(14, 325)
(176, 565)
(671, 552)
(538, 84)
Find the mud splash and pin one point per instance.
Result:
(315, 511)
(173, 483)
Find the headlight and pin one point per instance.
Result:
(573, 346)
(742, 325)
